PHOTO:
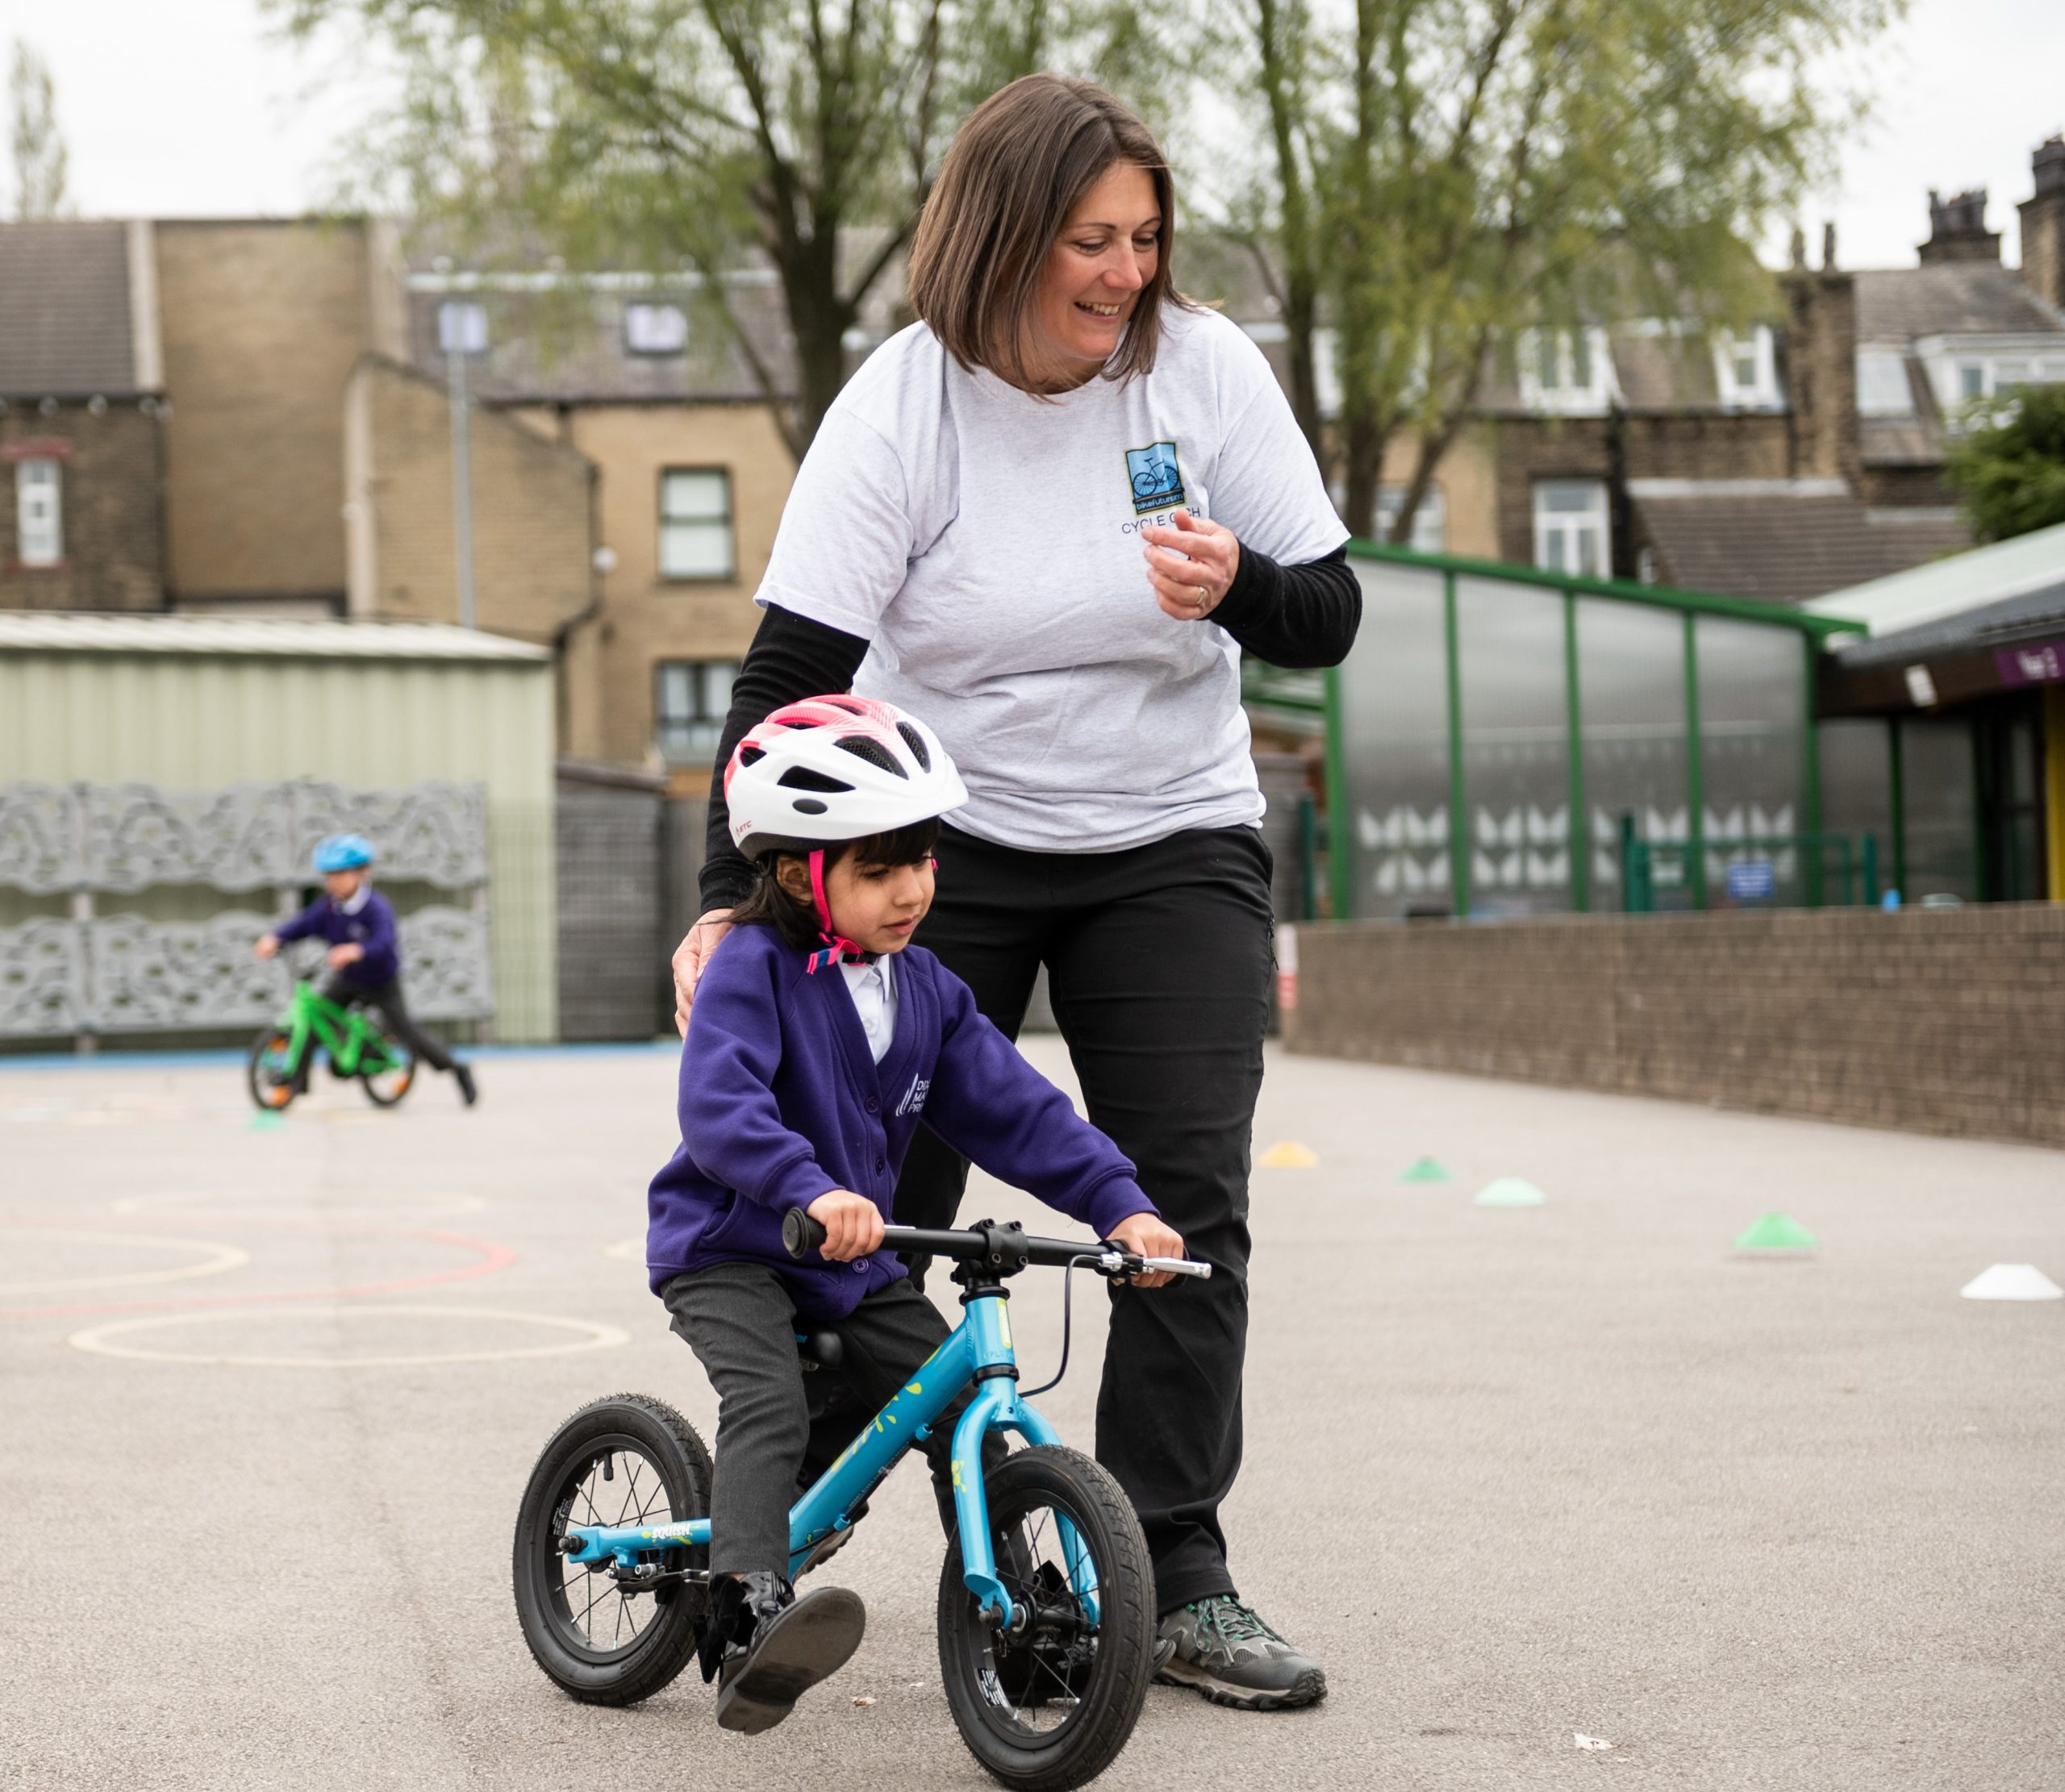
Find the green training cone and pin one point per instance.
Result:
(263, 1121)
(1424, 1170)
(1776, 1232)
(1509, 1191)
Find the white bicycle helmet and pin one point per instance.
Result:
(833, 769)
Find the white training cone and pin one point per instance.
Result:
(1509, 1191)
(2013, 1281)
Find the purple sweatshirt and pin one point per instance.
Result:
(781, 1102)
(373, 928)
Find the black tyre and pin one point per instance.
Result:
(625, 1460)
(1052, 1705)
(269, 1071)
(395, 1077)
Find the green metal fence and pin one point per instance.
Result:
(1496, 724)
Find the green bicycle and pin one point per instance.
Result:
(352, 1038)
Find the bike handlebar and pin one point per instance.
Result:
(1007, 1249)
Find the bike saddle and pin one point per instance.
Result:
(824, 1349)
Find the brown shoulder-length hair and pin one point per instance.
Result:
(1017, 167)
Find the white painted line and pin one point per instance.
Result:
(96, 1340)
(216, 1258)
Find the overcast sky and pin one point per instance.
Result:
(185, 108)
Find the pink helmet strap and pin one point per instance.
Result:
(836, 946)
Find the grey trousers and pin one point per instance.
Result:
(774, 1434)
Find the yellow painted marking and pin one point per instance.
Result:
(914, 1388)
(1003, 1323)
(957, 1477)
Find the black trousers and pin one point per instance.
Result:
(1158, 965)
(387, 997)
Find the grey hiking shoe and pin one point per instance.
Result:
(1228, 1653)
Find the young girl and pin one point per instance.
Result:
(820, 1039)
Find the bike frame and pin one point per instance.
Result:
(354, 1044)
(977, 1353)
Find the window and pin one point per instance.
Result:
(654, 329)
(1882, 387)
(690, 701)
(1570, 531)
(1971, 380)
(39, 512)
(1429, 521)
(1745, 371)
(1566, 370)
(462, 326)
(696, 524)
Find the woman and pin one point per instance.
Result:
(1047, 518)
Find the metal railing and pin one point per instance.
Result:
(1809, 870)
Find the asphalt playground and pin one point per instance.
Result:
(1569, 1494)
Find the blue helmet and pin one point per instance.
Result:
(342, 852)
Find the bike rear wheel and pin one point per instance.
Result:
(1050, 1706)
(391, 1074)
(625, 1460)
(269, 1073)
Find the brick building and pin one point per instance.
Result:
(82, 432)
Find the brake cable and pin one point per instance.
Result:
(1068, 1288)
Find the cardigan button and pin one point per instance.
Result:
(873, 1104)
(859, 1266)
(881, 1163)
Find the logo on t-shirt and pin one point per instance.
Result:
(1157, 483)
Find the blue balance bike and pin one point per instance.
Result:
(1046, 1598)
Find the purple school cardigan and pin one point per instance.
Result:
(780, 1103)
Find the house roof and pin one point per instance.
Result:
(1782, 540)
(65, 325)
(1974, 580)
(58, 632)
(1954, 298)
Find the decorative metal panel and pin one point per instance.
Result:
(123, 973)
(39, 838)
(129, 837)
(242, 838)
(42, 978)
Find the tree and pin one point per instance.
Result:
(2008, 465)
(1441, 175)
(709, 134)
(39, 150)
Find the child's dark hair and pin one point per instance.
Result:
(768, 904)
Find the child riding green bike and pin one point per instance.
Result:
(364, 959)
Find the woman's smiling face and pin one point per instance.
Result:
(1106, 253)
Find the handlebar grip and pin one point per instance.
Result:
(800, 1234)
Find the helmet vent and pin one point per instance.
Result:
(802, 777)
(873, 751)
(916, 742)
(749, 755)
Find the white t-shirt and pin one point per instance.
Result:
(986, 544)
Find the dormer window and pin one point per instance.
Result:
(652, 328)
(1566, 371)
(1745, 371)
(1882, 385)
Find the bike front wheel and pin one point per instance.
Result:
(1049, 1705)
(626, 1460)
(270, 1070)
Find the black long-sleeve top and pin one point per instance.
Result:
(1297, 616)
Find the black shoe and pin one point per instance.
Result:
(775, 1647)
(1227, 1652)
(463, 1075)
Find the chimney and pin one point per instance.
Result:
(1957, 230)
(2043, 224)
(1821, 370)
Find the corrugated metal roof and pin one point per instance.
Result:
(53, 631)
(1966, 581)
(64, 328)
(2032, 614)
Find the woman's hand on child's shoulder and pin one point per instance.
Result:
(1144, 1234)
(689, 957)
(852, 1225)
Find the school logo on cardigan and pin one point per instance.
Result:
(1157, 483)
(914, 1097)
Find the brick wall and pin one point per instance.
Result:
(531, 503)
(1693, 445)
(110, 510)
(1945, 1021)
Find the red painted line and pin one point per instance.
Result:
(493, 1258)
